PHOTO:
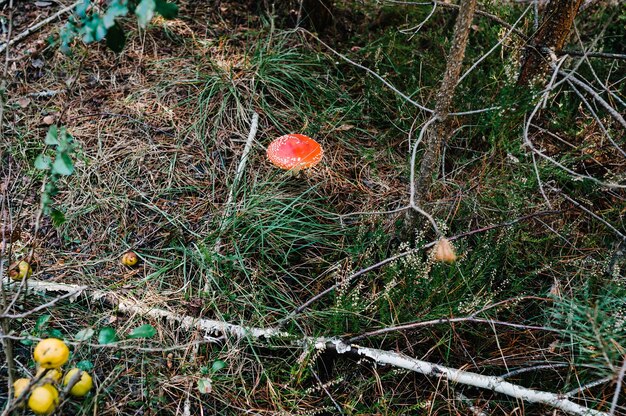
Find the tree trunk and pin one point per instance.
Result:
(555, 26)
(439, 131)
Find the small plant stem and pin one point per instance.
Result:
(4, 323)
(439, 321)
(254, 125)
(618, 387)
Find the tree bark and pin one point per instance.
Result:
(553, 31)
(439, 131)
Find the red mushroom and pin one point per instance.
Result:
(294, 152)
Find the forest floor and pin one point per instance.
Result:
(159, 130)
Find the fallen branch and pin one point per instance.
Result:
(453, 375)
(38, 25)
(129, 306)
(209, 326)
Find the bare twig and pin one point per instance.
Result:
(369, 71)
(618, 388)
(43, 306)
(254, 125)
(130, 306)
(39, 25)
(594, 215)
(588, 386)
(415, 325)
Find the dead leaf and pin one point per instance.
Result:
(344, 127)
(23, 102)
(205, 386)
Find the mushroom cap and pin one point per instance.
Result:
(444, 252)
(294, 151)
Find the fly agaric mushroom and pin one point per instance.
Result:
(294, 152)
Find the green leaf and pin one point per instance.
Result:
(116, 39)
(63, 165)
(145, 12)
(217, 365)
(58, 218)
(55, 333)
(85, 365)
(43, 162)
(204, 385)
(84, 334)
(25, 340)
(81, 8)
(67, 35)
(116, 9)
(166, 9)
(94, 29)
(52, 138)
(143, 331)
(42, 322)
(107, 336)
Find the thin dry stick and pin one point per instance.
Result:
(38, 308)
(532, 147)
(588, 386)
(613, 112)
(478, 12)
(38, 26)
(490, 51)
(597, 217)
(254, 125)
(618, 388)
(4, 323)
(369, 71)
(130, 306)
(415, 325)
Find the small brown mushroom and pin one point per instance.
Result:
(444, 251)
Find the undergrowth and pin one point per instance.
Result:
(159, 132)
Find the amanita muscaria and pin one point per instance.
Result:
(294, 152)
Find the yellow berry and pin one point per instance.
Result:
(23, 271)
(43, 399)
(82, 386)
(19, 386)
(52, 375)
(130, 258)
(51, 353)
